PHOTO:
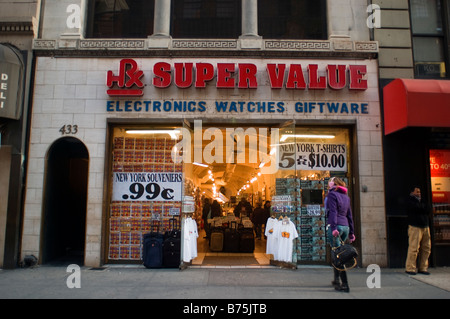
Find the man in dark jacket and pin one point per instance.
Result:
(258, 219)
(418, 233)
(206, 214)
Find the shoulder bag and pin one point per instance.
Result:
(344, 256)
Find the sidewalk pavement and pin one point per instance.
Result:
(267, 283)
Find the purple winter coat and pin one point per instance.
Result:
(339, 209)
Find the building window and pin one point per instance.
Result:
(429, 38)
(120, 18)
(206, 19)
(292, 19)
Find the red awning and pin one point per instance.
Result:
(416, 103)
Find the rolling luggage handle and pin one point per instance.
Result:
(174, 231)
(152, 232)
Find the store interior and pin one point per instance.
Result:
(228, 174)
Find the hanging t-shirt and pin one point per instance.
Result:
(270, 231)
(186, 241)
(190, 234)
(194, 235)
(286, 232)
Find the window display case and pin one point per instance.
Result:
(441, 223)
(440, 186)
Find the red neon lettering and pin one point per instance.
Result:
(316, 82)
(357, 73)
(336, 76)
(247, 76)
(129, 75)
(224, 73)
(205, 72)
(276, 75)
(183, 74)
(296, 80)
(162, 78)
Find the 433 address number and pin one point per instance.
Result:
(69, 129)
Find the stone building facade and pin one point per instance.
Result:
(72, 112)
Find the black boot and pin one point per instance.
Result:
(344, 285)
(336, 282)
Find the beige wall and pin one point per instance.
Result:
(394, 38)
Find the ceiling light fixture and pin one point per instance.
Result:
(173, 133)
(200, 164)
(286, 136)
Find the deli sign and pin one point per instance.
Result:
(129, 80)
(11, 78)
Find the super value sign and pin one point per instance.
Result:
(128, 81)
(313, 156)
(147, 186)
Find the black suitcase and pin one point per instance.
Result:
(175, 231)
(216, 239)
(231, 239)
(246, 240)
(172, 246)
(152, 251)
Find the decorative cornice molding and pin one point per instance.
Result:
(302, 45)
(366, 46)
(17, 27)
(203, 44)
(116, 47)
(111, 44)
(39, 44)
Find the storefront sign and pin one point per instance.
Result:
(263, 107)
(129, 80)
(11, 70)
(440, 175)
(313, 156)
(147, 186)
(313, 210)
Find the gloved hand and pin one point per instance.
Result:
(352, 238)
(335, 233)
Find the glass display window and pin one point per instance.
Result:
(309, 157)
(149, 184)
(440, 187)
(146, 188)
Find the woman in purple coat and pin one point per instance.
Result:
(339, 224)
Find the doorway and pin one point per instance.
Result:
(65, 203)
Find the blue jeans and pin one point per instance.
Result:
(343, 233)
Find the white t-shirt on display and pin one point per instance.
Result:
(286, 232)
(271, 244)
(190, 234)
(194, 236)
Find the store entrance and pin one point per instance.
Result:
(65, 200)
(231, 175)
(237, 194)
